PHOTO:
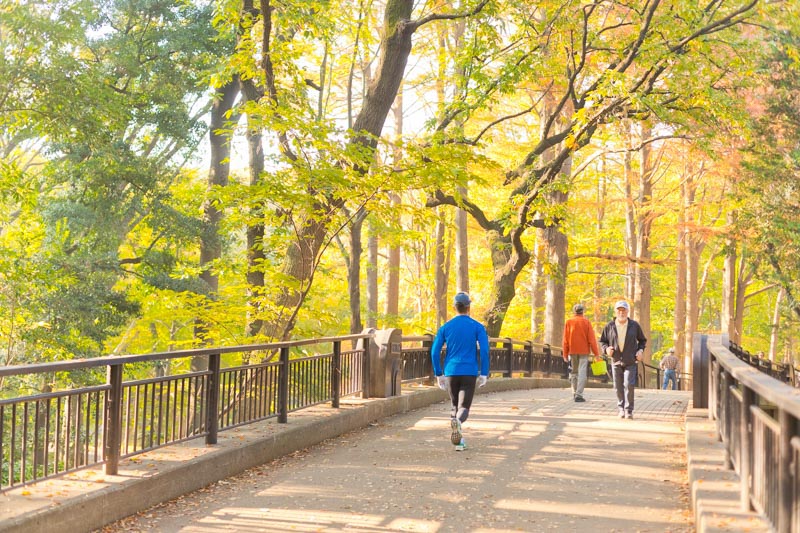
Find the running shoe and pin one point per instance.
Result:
(455, 434)
(461, 446)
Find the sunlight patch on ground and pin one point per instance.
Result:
(595, 510)
(269, 519)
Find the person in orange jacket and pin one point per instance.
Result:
(577, 347)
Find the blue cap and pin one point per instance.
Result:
(623, 304)
(462, 298)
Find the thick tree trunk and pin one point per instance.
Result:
(555, 292)
(507, 266)
(255, 236)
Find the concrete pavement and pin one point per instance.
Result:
(535, 461)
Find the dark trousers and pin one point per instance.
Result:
(624, 385)
(462, 389)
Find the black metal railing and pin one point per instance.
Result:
(758, 420)
(507, 357)
(51, 434)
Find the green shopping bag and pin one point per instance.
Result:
(599, 368)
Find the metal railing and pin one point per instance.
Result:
(507, 357)
(758, 420)
(50, 434)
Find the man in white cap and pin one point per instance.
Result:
(465, 338)
(623, 340)
(670, 365)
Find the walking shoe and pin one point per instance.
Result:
(461, 446)
(622, 413)
(580, 399)
(455, 434)
(629, 415)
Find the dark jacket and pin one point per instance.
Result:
(634, 341)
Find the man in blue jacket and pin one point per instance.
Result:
(623, 340)
(465, 337)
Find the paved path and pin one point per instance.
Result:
(536, 461)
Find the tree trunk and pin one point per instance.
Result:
(742, 281)
(255, 234)
(462, 248)
(354, 271)
(538, 283)
(644, 222)
(219, 170)
(393, 266)
(555, 292)
(597, 289)
(440, 272)
(692, 265)
(372, 280)
(729, 283)
(630, 219)
(679, 339)
(507, 266)
(775, 326)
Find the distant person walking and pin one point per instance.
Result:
(577, 347)
(623, 340)
(465, 338)
(670, 364)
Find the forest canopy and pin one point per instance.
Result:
(176, 174)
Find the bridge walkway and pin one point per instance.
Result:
(536, 461)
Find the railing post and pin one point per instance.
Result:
(548, 360)
(113, 415)
(745, 466)
(509, 346)
(529, 350)
(212, 398)
(336, 373)
(283, 386)
(725, 414)
(785, 477)
(364, 344)
(700, 371)
(427, 344)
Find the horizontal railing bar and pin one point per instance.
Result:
(75, 364)
(53, 395)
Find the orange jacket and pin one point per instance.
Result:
(579, 337)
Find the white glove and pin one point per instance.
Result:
(482, 380)
(442, 382)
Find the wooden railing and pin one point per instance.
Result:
(758, 421)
